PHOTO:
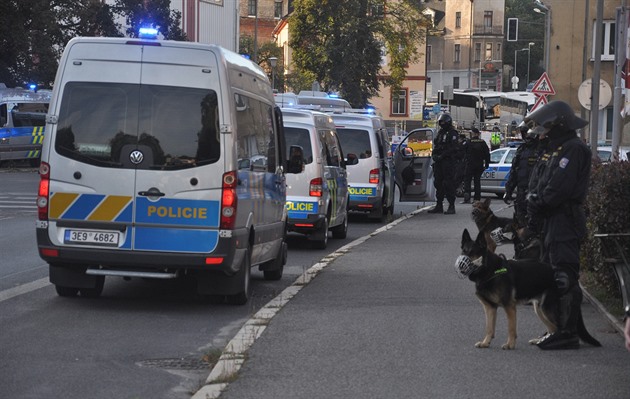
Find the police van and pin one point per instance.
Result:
(140, 168)
(317, 183)
(365, 142)
(22, 121)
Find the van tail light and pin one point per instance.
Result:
(228, 200)
(316, 187)
(44, 191)
(374, 176)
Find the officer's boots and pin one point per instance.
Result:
(568, 314)
(437, 208)
(451, 209)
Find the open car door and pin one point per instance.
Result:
(412, 163)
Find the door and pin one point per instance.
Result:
(412, 163)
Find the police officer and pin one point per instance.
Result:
(445, 149)
(557, 190)
(495, 140)
(522, 165)
(477, 160)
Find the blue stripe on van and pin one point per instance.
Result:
(83, 206)
(175, 240)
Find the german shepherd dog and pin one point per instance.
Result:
(506, 283)
(489, 223)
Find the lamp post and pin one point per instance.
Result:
(543, 9)
(515, 55)
(273, 61)
(529, 56)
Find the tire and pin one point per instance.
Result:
(66, 292)
(322, 242)
(341, 231)
(379, 214)
(245, 274)
(96, 291)
(276, 265)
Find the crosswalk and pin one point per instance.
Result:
(17, 202)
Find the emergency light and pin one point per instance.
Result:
(147, 33)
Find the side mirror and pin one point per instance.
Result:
(351, 159)
(295, 163)
(408, 152)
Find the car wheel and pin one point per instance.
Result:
(276, 266)
(96, 291)
(67, 292)
(321, 242)
(341, 231)
(245, 274)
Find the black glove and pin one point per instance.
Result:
(534, 204)
(507, 197)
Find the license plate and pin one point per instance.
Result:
(107, 238)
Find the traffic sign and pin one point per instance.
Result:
(540, 101)
(543, 86)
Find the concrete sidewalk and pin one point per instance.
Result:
(387, 317)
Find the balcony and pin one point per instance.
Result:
(482, 30)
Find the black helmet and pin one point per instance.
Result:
(445, 121)
(556, 115)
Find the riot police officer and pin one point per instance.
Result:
(477, 160)
(445, 149)
(557, 190)
(522, 165)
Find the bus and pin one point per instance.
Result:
(514, 106)
(466, 104)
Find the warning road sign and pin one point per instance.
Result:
(543, 86)
(540, 101)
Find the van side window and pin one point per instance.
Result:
(174, 127)
(333, 151)
(355, 142)
(300, 137)
(255, 133)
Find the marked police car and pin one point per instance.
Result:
(494, 179)
(140, 173)
(22, 121)
(317, 181)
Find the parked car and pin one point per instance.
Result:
(494, 178)
(605, 153)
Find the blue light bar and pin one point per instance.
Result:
(147, 33)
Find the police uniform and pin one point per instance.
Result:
(444, 154)
(478, 160)
(522, 164)
(558, 188)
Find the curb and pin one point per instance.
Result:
(234, 354)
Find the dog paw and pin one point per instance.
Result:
(508, 346)
(482, 344)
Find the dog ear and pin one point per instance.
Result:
(481, 239)
(487, 202)
(466, 237)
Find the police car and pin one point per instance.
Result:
(605, 153)
(494, 178)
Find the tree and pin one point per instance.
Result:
(153, 13)
(341, 43)
(266, 50)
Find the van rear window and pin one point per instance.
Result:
(301, 137)
(355, 142)
(174, 127)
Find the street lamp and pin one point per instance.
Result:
(529, 56)
(273, 61)
(546, 10)
(515, 81)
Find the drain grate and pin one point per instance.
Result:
(176, 364)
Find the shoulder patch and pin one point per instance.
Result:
(564, 162)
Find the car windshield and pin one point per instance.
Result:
(355, 141)
(497, 155)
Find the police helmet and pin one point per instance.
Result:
(445, 121)
(556, 115)
(524, 129)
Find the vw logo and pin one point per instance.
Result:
(136, 157)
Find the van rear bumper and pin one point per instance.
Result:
(312, 223)
(116, 259)
(367, 204)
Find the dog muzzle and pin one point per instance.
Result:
(464, 266)
(499, 237)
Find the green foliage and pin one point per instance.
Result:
(608, 211)
(153, 13)
(340, 43)
(266, 50)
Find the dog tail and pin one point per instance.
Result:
(583, 332)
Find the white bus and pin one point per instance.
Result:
(514, 106)
(466, 104)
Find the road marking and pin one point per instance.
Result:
(24, 289)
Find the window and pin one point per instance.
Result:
(251, 8)
(399, 102)
(455, 82)
(488, 51)
(277, 9)
(477, 52)
(487, 19)
(458, 53)
(608, 41)
(428, 56)
(498, 52)
(458, 19)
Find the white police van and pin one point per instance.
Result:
(317, 183)
(139, 172)
(22, 121)
(365, 142)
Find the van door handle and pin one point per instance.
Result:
(152, 192)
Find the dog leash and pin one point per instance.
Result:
(505, 207)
